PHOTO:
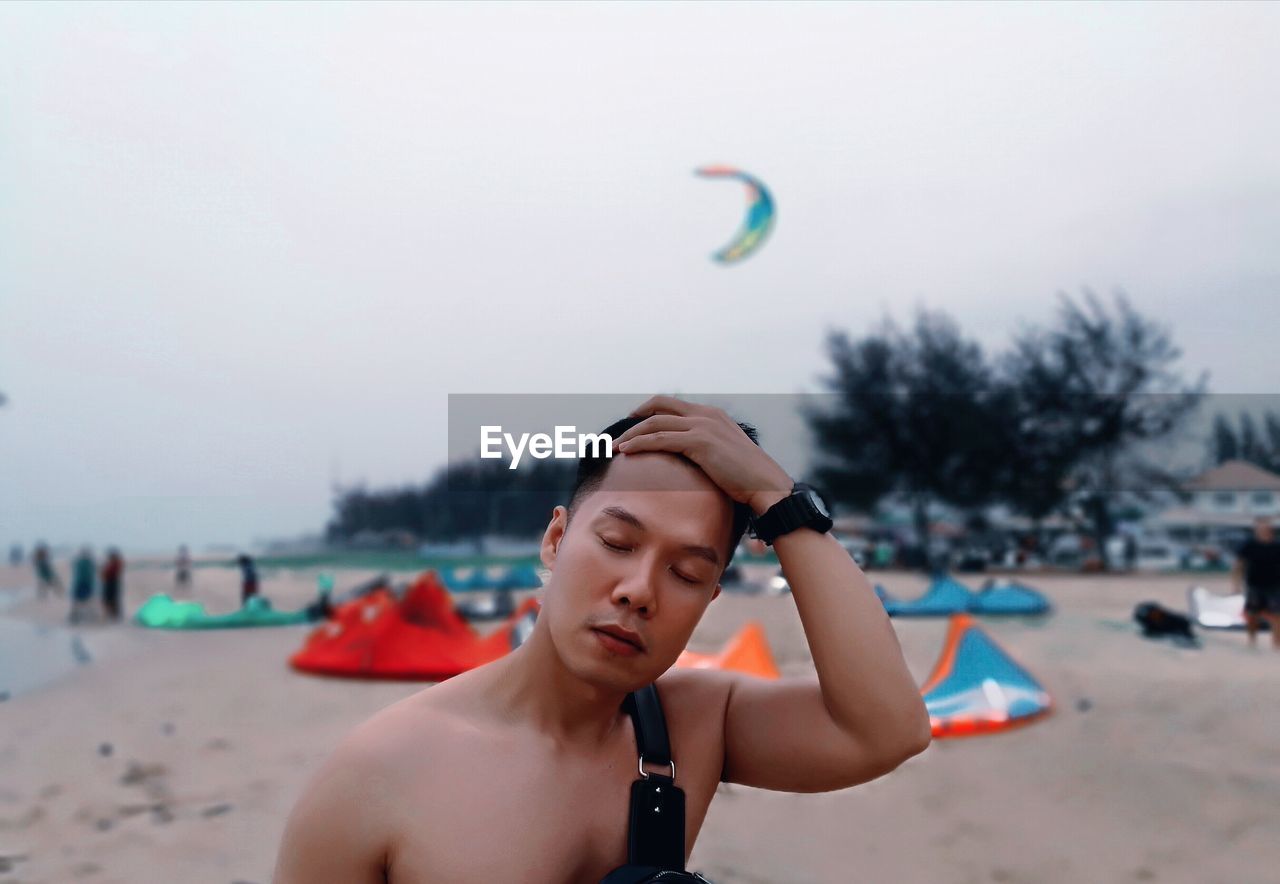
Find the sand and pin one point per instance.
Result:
(175, 757)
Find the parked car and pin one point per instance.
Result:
(1067, 551)
(1159, 555)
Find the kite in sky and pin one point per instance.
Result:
(760, 214)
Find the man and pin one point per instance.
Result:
(521, 770)
(182, 572)
(112, 579)
(83, 573)
(46, 577)
(248, 578)
(1258, 567)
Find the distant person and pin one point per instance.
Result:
(1130, 552)
(46, 577)
(248, 578)
(112, 578)
(82, 580)
(886, 553)
(1258, 567)
(15, 554)
(182, 572)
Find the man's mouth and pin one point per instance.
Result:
(620, 640)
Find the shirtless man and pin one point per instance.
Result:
(521, 770)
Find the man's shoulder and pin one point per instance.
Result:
(701, 693)
(419, 722)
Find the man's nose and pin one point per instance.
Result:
(636, 591)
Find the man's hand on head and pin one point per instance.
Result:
(712, 440)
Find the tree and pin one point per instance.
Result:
(1224, 445)
(1058, 420)
(1104, 379)
(910, 415)
(1245, 441)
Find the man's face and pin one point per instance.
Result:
(1263, 531)
(635, 569)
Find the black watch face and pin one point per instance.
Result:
(816, 500)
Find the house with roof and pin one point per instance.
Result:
(1224, 502)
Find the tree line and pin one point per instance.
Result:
(1055, 422)
(1256, 440)
(461, 501)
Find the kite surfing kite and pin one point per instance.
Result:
(976, 688)
(747, 651)
(946, 596)
(162, 612)
(760, 214)
(416, 636)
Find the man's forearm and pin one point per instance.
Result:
(866, 686)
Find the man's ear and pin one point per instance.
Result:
(552, 537)
(715, 595)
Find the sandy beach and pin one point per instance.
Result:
(173, 756)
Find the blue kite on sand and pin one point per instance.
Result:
(947, 596)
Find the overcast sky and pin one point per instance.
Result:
(247, 249)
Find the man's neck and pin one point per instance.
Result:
(531, 686)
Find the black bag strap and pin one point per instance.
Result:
(645, 710)
(655, 835)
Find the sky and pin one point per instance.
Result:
(248, 251)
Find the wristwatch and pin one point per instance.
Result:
(803, 508)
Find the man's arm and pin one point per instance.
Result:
(861, 717)
(864, 715)
(338, 832)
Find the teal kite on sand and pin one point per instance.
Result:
(163, 612)
(977, 688)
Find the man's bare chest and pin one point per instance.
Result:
(523, 815)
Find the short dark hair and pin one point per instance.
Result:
(592, 467)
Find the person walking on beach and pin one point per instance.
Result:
(82, 580)
(112, 577)
(182, 572)
(1258, 568)
(545, 744)
(46, 577)
(248, 578)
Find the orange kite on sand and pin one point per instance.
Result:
(747, 651)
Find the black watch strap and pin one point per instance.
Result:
(797, 510)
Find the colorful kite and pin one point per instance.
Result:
(760, 214)
(977, 688)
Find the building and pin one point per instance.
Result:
(1224, 503)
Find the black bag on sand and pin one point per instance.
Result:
(1158, 621)
(655, 839)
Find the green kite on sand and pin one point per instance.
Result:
(163, 612)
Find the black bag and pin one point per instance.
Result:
(1158, 621)
(655, 838)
